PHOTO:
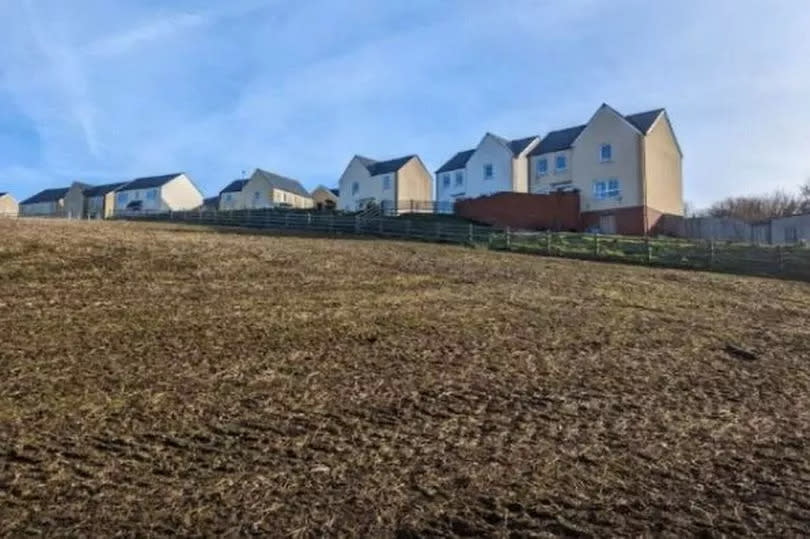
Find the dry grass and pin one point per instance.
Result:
(161, 379)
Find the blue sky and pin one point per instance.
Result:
(102, 91)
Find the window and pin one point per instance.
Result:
(227, 197)
(256, 195)
(605, 189)
(560, 163)
(606, 153)
(791, 235)
(122, 198)
(489, 172)
(459, 178)
(386, 182)
(355, 188)
(541, 166)
(445, 180)
(151, 194)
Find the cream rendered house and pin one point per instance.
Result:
(100, 200)
(47, 203)
(627, 169)
(268, 190)
(399, 185)
(230, 198)
(8, 205)
(324, 198)
(172, 192)
(495, 165)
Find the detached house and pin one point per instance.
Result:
(397, 185)
(172, 192)
(324, 198)
(8, 205)
(495, 165)
(230, 198)
(269, 190)
(47, 203)
(627, 169)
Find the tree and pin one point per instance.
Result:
(804, 193)
(758, 208)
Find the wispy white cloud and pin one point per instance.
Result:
(215, 88)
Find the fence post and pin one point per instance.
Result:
(309, 220)
(596, 244)
(649, 249)
(408, 228)
(508, 238)
(332, 223)
(438, 231)
(382, 223)
(471, 235)
(548, 242)
(711, 254)
(286, 220)
(780, 259)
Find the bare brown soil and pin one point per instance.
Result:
(160, 380)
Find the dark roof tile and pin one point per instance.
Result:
(283, 183)
(643, 121)
(235, 186)
(558, 140)
(456, 162)
(149, 182)
(386, 167)
(101, 190)
(48, 195)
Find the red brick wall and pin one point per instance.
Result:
(630, 221)
(556, 211)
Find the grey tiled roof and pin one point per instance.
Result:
(101, 190)
(386, 167)
(283, 183)
(518, 145)
(149, 182)
(558, 140)
(235, 186)
(643, 121)
(456, 162)
(48, 195)
(3, 193)
(335, 192)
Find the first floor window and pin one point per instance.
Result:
(445, 180)
(256, 195)
(228, 197)
(605, 189)
(122, 198)
(606, 153)
(560, 162)
(459, 178)
(791, 235)
(150, 195)
(489, 171)
(355, 188)
(541, 166)
(386, 182)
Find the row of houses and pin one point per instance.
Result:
(626, 170)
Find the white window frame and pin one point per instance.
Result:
(557, 167)
(355, 188)
(609, 158)
(491, 168)
(227, 197)
(602, 189)
(387, 182)
(123, 198)
(538, 172)
(459, 178)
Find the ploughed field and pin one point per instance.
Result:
(166, 379)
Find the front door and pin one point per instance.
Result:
(607, 224)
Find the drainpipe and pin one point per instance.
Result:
(643, 176)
